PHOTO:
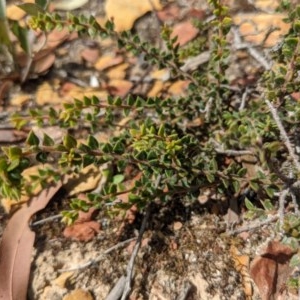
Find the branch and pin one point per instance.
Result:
(283, 135)
(253, 226)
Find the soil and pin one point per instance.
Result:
(186, 252)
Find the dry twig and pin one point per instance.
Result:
(130, 265)
(253, 226)
(99, 258)
(117, 290)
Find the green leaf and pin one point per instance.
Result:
(236, 186)
(87, 101)
(32, 139)
(130, 100)
(151, 155)
(22, 34)
(42, 3)
(95, 100)
(267, 204)
(4, 31)
(242, 172)
(13, 164)
(78, 104)
(60, 148)
(213, 165)
(110, 100)
(134, 198)
(117, 102)
(225, 182)
(93, 142)
(139, 102)
(119, 147)
(295, 261)
(32, 9)
(107, 148)
(69, 217)
(109, 25)
(42, 157)
(112, 189)
(47, 140)
(92, 32)
(14, 152)
(249, 204)
(291, 42)
(79, 204)
(254, 185)
(210, 177)
(270, 191)
(118, 178)
(161, 130)
(69, 141)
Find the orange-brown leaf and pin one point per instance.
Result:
(16, 246)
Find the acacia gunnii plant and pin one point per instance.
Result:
(158, 141)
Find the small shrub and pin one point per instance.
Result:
(175, 160)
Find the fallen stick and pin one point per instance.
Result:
(129, 271)
(117, 290)
(99, 258)
(130, 266)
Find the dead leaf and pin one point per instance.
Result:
(107, 61)
(179, 87)
(20, 99)
(169, 12)
(90, 54)
(162, 74)
(185, 32)
(241, 263)
(296, 96)
(81, 92)
(254, 27)
(156, 89)
(86, 180)
(78, 294)
(118, 72)
(119, 87)
(12, 136)
(271, 269)
(197, 13)
(13, 12)
(56, 37)
(82, 232)
(68, 4)
(62, 279)
(43, 64)
(46, 93)
(126, 12)
(16, 246)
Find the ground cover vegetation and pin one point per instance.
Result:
(175, 156)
